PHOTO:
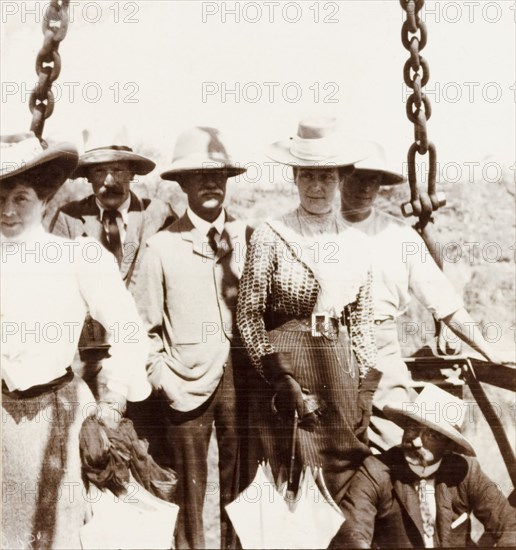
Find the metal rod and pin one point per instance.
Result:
(293, 452)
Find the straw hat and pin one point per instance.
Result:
(23, 154)
(436, 409)
(201, 148)
(317, 144)
(105, 146)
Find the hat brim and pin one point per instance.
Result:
(50, 169)
(401, 417)
(280, 152)
(174, 174)
(388, 177)
(139, 165)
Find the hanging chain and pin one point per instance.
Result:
(416, 74)
(48, 63)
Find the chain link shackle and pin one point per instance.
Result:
(416, 74)
(48, 63)
(423, 204)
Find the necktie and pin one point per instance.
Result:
(213, 239)
(426, 514)
(113, 233)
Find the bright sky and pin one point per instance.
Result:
(146, 65)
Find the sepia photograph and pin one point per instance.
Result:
(257, 281)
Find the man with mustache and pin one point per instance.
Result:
(421, 494)
(114, 214)
(402, 268)
(117, 218)
(187, 297)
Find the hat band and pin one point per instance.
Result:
(111, 148)
(203, 158)
(313, 149)
(16, 155)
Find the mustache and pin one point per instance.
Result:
(216, 192)
(112, 191)
(414, 453)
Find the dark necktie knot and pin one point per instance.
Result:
(213, 239)
(111, 215)
(113, 233)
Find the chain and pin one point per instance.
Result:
(48, 63)
(423, 204)
(416, 74)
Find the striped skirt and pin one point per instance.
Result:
(44, 501)
(327, 369)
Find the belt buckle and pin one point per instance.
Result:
(321, 324)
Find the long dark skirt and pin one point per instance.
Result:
(44, 501)
(327, 369)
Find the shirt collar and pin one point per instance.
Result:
(203, 226)
(123, 209)
(424, 472)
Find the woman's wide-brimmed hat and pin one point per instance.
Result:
(46, 168)
(436, 409)
(105, 146)
(375, 164)
(201, 148)
(317, 144)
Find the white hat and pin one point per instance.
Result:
(24, 154)
(201, 148)
(317, 144)
(436, 409)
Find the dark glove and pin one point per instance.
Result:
(276, 365)
(278, 370)
(288, 396)
(365, 401)
(288, 393)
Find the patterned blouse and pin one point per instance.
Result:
(278, 284)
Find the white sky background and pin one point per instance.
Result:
(162, 52)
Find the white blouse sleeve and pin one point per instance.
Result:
(110, 303)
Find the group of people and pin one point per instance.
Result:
(211, 325)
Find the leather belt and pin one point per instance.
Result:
(319, 324)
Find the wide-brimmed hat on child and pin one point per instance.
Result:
(318, 143)
(45, 168)
(436, 409)
(201, 148)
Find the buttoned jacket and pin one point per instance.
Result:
(187, 297)
(146, 217)
(382, 507)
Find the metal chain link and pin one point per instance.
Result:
(423, 204)
(48, 63)
(416, 74)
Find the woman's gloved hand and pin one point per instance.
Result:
(288, 396)
(279, 372)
